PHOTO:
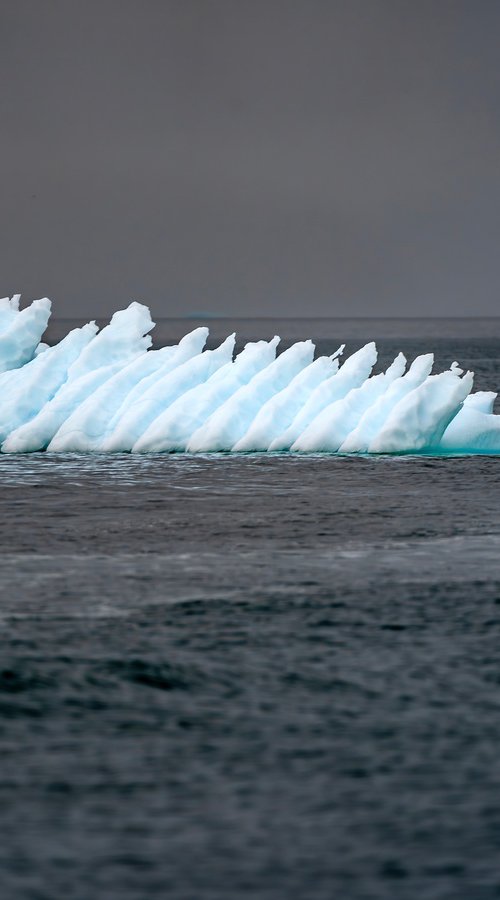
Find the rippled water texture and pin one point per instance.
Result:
(251, 677)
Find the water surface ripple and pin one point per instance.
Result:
(250, 677)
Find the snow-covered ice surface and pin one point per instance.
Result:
(108, 391)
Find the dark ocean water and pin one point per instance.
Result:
(253, 677)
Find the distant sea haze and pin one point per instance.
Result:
(169, 330)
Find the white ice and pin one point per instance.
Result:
(9, 308)
(373, 420)
(334, 423)
(419, 420)
(108, 391)
(116, 345)
(88, 427)
(24, 392)
(132, 431)
(474, 429)
(228, 424)
(20, 332)
(277, 414)
(173, 428)
(353, 373)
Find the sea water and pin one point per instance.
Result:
(262, 675)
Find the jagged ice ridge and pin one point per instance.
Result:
(107, 391)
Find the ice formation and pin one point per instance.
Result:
(107, 391)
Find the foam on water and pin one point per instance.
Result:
(108, 391)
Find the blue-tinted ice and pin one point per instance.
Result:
(107, 391)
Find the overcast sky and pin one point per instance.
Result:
(252, 157)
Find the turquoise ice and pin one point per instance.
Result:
(108, 391)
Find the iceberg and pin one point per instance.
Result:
(353, 373)
(20, 331)
(125, 336)
(373, 420)
(24, 392)
(420, 419)
(88, 427)
(474, 429)
(277, 414)
(9, 307)
(334, 423)
(175, 426)
(133, 431)
(108, 391)
(227, 425)
(116, 345)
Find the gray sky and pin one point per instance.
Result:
(252, 157)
